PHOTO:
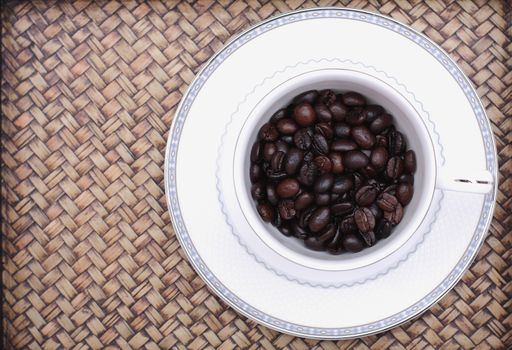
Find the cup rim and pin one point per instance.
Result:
(268, 234)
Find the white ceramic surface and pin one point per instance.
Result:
(273, 279)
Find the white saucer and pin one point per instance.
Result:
(266, 276)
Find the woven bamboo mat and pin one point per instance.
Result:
(89, 90)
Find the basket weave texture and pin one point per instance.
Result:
(90, 259)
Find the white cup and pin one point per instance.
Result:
(406, 119)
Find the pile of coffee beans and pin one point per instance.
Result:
(332, 170)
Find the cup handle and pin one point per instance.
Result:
(465, 181)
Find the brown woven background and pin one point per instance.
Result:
(89, 90)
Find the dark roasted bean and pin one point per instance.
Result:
(404, 192)
(304, 114)
(287, 126)
(342, 208)
(381, 140)
(255, 172)
(369, 171)
(335, 245)
(303, 201)
(383, 229)
(319, 242)
(407, 178)
(363, 136)
(387, 202)
(277, 116)
(342, 130)
(352, 242)
(395, 167)
(258, 190)
(268, 151)
(272, 195)
(342, 184)
(256, 152)
(381, 123)
(305, 215)
(288, 188)
(376, 211)
(323, 113)
(368, 237)
(337, 162)
(319, 219)
(355, 117)
(358, 180)
(282, 146)
(353, 99)
(302, 139)
(307, 96)
(323, 163)
(366, 195)
(343, 145)
(286, 209)
(266, 212)
(287, 138)
(320, 144)
(268, 132)
(396, 143)
(379, 157)
(396, 215)
(338, 110)
(325, 130)
(299, 231)
(293, 160)
(410, 161)
(324, 183)
(307, 173)
(308, 156)
(365, 221)
(327, 97)
(286, 230)
(277, 161)
(322, 199)
(372, 112)
(355, 160)
(348, 224)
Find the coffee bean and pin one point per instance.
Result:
(379, 157)
(335, 197)
(286, 209)
(381, 123)
(410, 161)
(327, 97)
(268, 151)
(324, 183)
(303, 201)
(305, 216)
(342, 130)
(343, 145)
(319, 143)
(319, 219)
(381, 141)
(266, 212)
(286, 230)
(271, 194)
(372, 112)
(338, 110)
(323, 163)
(287, 138)
(341, 208)
(368, 237)
(352, 243)
(355, 117)
(369, 171)
(358, 180)
(277, 221)
(365, 221)
(396, 215)
(325, 130)
(258, 190)
(275, 175)
(277, 161)
(298, 231)
(256, 152)
(293, 160)
(404, 192)
(407, 178)
(353, 99)
(348, 225)
(287, 126)
(323, 113)
(376, 211)
(307, 173)
(319, 243)
(391, 189)
(396, 143)
(322, 199)
(383, 229)
(277, 116)
(387, 202)
(287, 188)
(395, 167)
(355, 160)
(268, 132)
(304, 114)
(307, 96)
(302, 139)
(282, 146)
(366, 195)
(309, 156)
(363, 136)
(342, 184)
(335, 245)
(337, 162)
(255, 172)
